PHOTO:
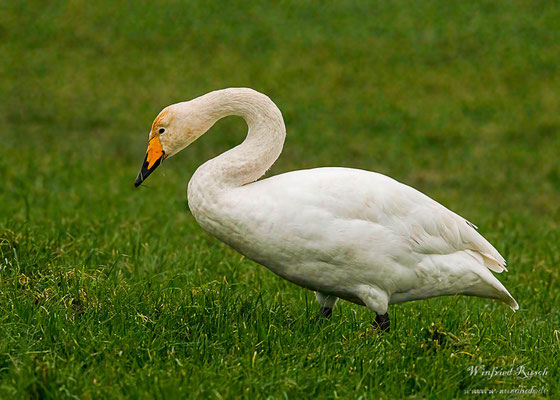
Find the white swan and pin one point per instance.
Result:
(344, 233)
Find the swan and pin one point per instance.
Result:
(344, 233)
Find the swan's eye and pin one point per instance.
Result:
(161, 130)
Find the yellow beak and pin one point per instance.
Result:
(154, 156)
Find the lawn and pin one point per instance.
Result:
(107, 291)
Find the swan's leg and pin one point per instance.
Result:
(382, 322)
(377, 301)
(327, 303)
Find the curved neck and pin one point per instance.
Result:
(251, 159)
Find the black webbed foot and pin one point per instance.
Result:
(325, 312)
(382, 322)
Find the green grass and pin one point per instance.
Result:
(107, 291)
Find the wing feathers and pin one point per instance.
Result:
(438, 230)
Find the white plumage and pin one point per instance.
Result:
(344, 233)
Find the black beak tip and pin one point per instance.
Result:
(139, 180)
(145, 171)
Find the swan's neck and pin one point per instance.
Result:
(251, 159)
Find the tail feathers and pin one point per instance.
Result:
(510, 301)
(503, 295)
(494, 289)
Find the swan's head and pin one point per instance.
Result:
(175, 127)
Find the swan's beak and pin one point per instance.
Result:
(154, 156)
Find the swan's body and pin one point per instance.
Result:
(344, 233)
